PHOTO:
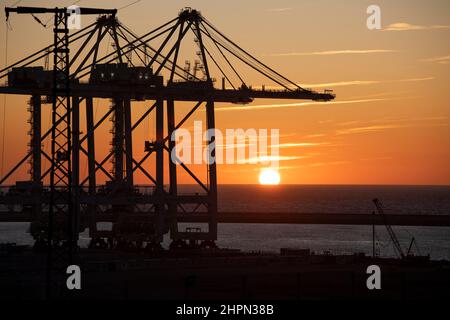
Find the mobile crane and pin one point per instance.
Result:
(393, 236)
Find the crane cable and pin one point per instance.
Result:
(129, 5)
(3, 133)
(16, 3)
(4, 106)
(255, 63)
(39, 21)
(247, 59)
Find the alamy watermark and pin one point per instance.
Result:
(374, 280)
(73, 281)
(214, 146)
(74, 18)
(374, 19)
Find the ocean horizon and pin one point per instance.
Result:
(338, 239)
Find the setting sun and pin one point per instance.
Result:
(269, 177)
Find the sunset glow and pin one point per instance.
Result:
(269, 177)
(389, 123)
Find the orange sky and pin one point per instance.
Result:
(390, 123)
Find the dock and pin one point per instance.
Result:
(431, 220)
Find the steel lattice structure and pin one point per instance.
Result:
(134, 71)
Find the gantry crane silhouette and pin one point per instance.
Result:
(396, 243)
(60, 200)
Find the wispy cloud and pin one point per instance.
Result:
(299, 104)
(377, 125)
(363, 82)
(417, 119)
(366, 129)
(246, 169)
(280, 145)
(341, 83)
(410, 80)
(278, 9)
(375, 159)
(332, 163)
(392, 94)
(300, 144)
(404, 26)
(395, 120)
(287, 167)
(349, 123)
(331, 52)
(354, 83)
(315, 135)
(315, 164)
(441, 60)
(265, 159)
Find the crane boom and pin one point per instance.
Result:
(36, 10)
(391, 232)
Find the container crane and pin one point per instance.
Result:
(75, 200)
(63, 203)
(392, 235)
(397, 246)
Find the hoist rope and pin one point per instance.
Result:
(4, 107)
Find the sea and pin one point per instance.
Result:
(335, 239)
